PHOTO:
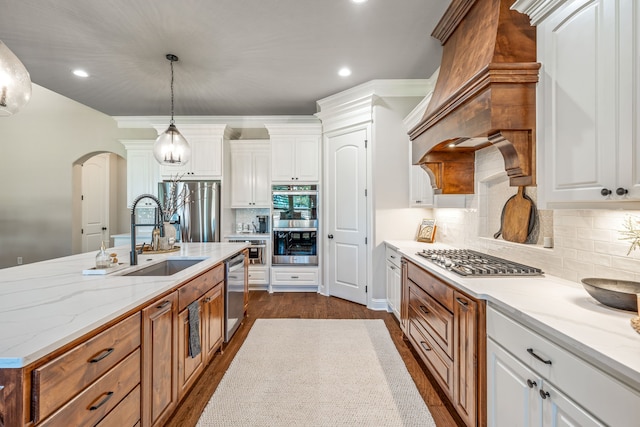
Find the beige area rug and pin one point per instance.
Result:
(311, 372)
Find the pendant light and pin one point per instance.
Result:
(15, 83)
(171, 148)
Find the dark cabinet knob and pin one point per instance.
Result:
(531, 384)
(104, 228)
(605, 192)
(544, 394)
(621, 191)
(330, 236)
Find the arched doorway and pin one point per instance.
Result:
(96, 178)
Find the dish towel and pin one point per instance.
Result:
(194, 329)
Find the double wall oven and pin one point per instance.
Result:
(295, 224)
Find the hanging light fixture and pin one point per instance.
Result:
(171, 148)
(15, 83)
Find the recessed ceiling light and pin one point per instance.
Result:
(359, 1)
(344, 72)
(80, 73)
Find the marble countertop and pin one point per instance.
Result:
(48, 304)
(559, 309)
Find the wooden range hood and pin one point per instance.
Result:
(485, 94)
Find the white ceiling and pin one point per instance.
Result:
(237, 57)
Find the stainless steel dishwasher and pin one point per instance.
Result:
(234, 290)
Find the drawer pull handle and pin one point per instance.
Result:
(207, 300)
(163, 305)
(544, 394)
(393, 256)
(102, 355)
(531, 384)
(533, 353)
(425, 346)
(424, 309)
(462, 302)
(295, 277)
(392, 267)
(102, 402)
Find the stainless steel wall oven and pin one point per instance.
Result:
(295, 224)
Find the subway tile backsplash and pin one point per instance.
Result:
(586, 243)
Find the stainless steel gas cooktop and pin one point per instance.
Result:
(467, 262)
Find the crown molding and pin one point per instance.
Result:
(236, 122)
(538, 10)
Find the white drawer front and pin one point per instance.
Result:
(609, 400)
(294, 276)
(258, 276)
(393, 256)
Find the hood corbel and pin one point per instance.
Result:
(485, 95)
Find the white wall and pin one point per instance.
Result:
(39, 146)
(586, 241)
(391, 177)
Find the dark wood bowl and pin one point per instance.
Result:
(620, 294)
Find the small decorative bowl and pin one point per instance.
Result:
(621, 294)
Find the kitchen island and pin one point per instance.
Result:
(49, 309)
(556, 315)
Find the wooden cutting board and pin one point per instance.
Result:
(517, 214)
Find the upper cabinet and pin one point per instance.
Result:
(206, 152)
(588, 99)
(250, 174)
(143, 171)
(295, 152)
(421, 193)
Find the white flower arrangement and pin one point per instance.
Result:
(174, 200)
(631, 232)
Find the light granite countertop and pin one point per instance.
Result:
(48, 304)
(558, 309)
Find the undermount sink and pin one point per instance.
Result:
(167, 267)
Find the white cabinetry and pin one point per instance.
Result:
(294, 279)
(295, 152)
(394, 280)
(250, 174)
(206, 152)
(421, 190)
(532, 381)
(588, 100)
(142, 169)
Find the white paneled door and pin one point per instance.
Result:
(347, 221)
(95, 206)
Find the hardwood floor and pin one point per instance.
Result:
(307, 306)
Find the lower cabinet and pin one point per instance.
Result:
(447, 330)
(294, 279)
(213, 305)
(160, 362)
(394, 280)
(532, 381)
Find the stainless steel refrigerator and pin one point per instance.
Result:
(193, 207)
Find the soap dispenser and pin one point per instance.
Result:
(103, 260)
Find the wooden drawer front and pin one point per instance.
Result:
(392, 256)
(434, 287)
(126, 414)
(440, 365)
(437, 321)
(62, 378)
(574, 376)
(197, 287)
(101, 397)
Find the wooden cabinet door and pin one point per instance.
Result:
(213, 307)
(189, 368)
(465, 370)
(160, 363)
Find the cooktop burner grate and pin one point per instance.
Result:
(467, 262)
